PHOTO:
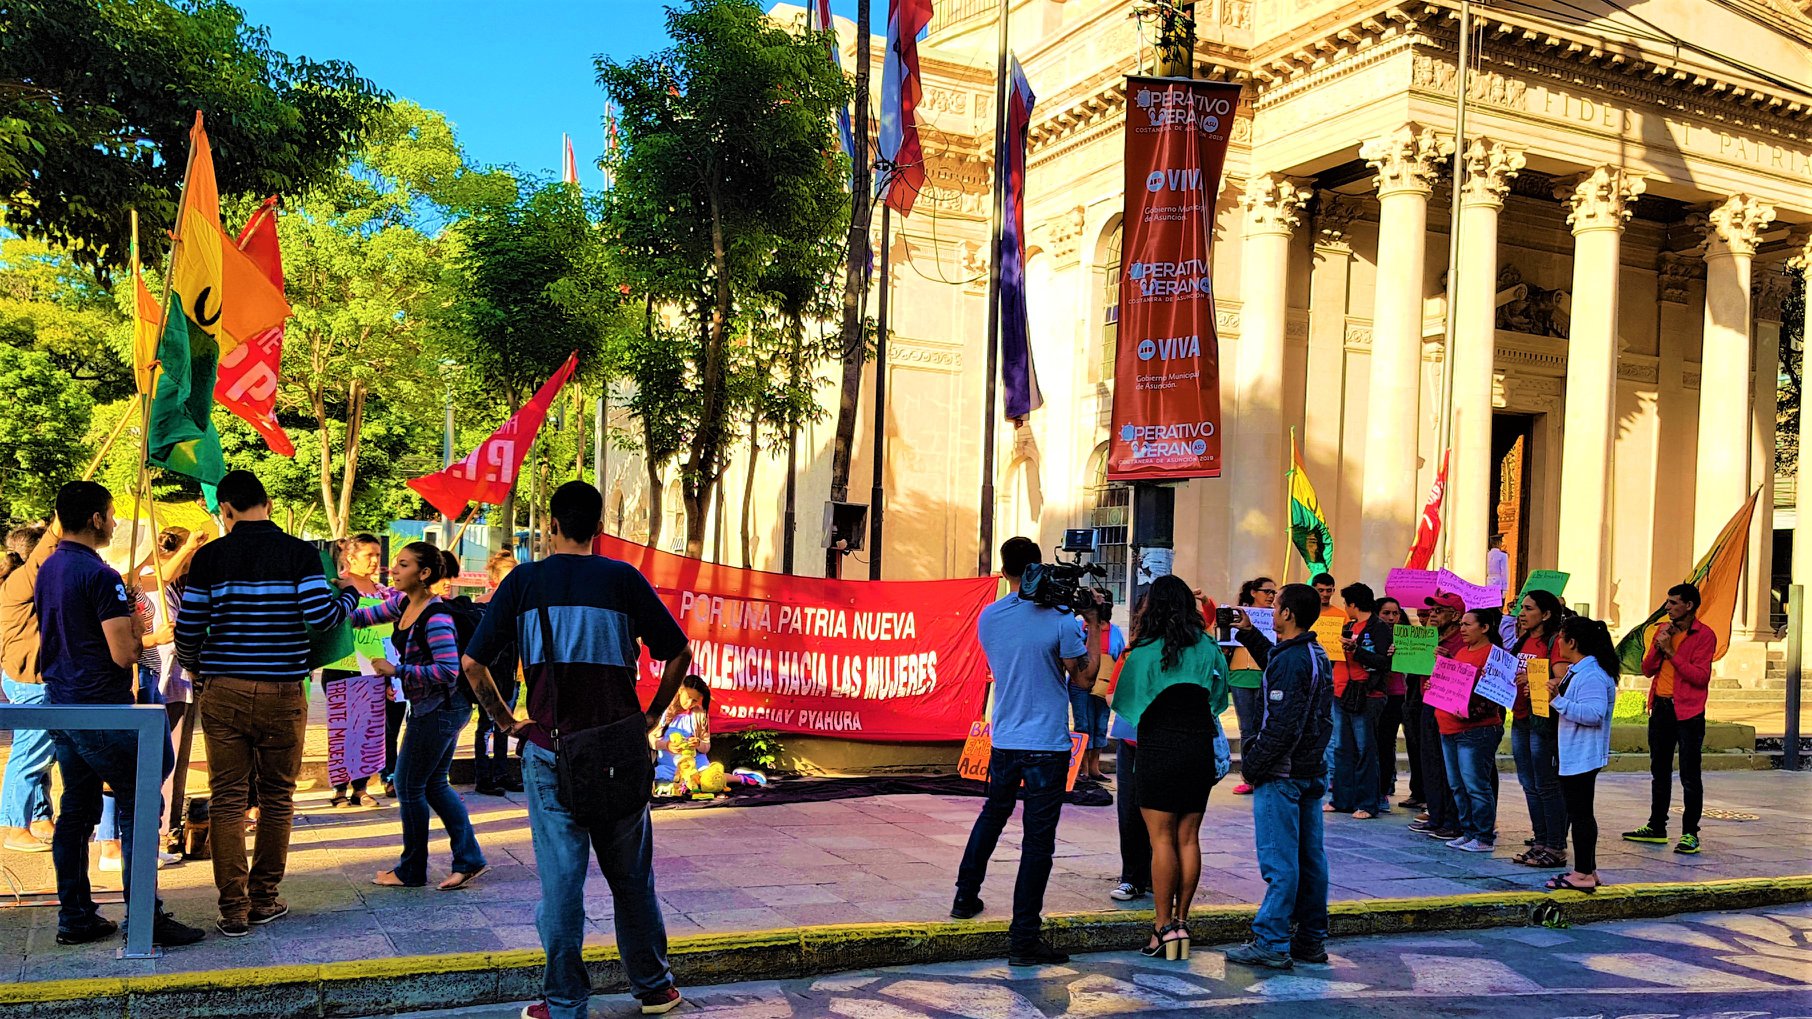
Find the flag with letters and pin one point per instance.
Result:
(489, 472)
(248, 373)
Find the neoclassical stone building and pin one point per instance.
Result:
(1637, 190)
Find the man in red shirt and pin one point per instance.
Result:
(1678, 665)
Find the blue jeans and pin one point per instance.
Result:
(25, 790)
(1286, 826)
(491, 746)
(1471, 758)
(1043, 773)
(1356, 764)
(1089, 713)
(625, 852)
(87, 760)
(421, 783)
(1536, 750)
(1331, 756)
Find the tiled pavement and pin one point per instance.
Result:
(861, 860)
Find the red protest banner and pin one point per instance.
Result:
(1167, 385)
(870, 660)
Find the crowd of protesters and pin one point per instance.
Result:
(227, 624)
(1319, 736)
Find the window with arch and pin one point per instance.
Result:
(1109, 513)
(1108, 272)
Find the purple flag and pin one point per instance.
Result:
(1016, 371)
(818, 19)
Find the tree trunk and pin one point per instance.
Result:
(748, 483)
(703, 470)
(349, 463)
(855, 285)
(319, 405)
(654, 485)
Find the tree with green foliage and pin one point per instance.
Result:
(96, 101)
(369, 268)
(729, 163)
(49, 304)
(533, 286)
(43, 422)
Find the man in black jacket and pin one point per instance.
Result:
(1283, 761)
(1366, 641)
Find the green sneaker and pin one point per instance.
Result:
(1688, 844)
(1647, 833)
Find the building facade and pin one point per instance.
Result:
(1635, 204)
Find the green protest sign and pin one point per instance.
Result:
(1415, 649)
(1551, 581)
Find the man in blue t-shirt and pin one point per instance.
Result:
(1037, 655)
(577, 619)
(88, 636)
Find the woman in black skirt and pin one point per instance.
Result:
(1173, 687)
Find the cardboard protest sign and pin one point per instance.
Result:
(1449, 686)
(1415, 652)
(355, 728)
(1497, 680)
(1412, 587)
(1327, 634)
(979, 747)
(1537, 673)
(1552, 581)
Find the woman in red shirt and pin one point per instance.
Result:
(1533, 738)
(1469, 742)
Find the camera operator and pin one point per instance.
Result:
(1037, 654)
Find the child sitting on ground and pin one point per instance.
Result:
(682, 740)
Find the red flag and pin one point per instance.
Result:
(569, 169)
(247, 380)
(487, 473)
(1430, 527)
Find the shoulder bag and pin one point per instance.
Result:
(605, 774)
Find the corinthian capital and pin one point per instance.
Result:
(1407, 159)
(1801, 246)
(1334, 216)
(1733, 226)
(1601, 199)
(1274, 204)
(1489, 167)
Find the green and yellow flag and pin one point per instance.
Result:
(1718, 576)
(218, 299)
(1308, 527)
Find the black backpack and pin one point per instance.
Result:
(466, 615)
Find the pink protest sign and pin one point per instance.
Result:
(1450, 686)
(1476, 596)
(355, 727)
(1411, 587)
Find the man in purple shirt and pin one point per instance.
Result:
(88, 645)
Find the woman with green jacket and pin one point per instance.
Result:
(1173, 687)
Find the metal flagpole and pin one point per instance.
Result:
(877, 493)
(1453, 258)
(985, 556)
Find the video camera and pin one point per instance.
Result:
(1060, 585)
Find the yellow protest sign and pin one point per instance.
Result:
(1539, 696)
(1327, 633)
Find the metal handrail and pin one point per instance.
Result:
(148, 721)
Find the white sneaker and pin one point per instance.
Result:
(110, 864)
(1475, 846)
(167, 859)
(1125, 892)
(1459, 843)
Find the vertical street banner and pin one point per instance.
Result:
(880, 660)
(1167, 386)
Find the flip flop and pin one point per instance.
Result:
(1560, 882)
(451, 885)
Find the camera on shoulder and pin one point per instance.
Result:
(1062, 585)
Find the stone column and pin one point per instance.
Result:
(1473, 303)
(1675, 411)
(1598, 203)
(1755, 611)
(1407, 161)
(1802, 483)
(1324, 382)
(1273, 205)
(1726, 358)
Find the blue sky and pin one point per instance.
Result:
(510, 74)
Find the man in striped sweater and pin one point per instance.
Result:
(251, 599)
